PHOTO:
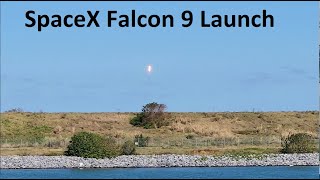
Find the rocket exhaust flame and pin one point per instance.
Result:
(149, 69)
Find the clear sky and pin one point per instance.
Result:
(195, 69)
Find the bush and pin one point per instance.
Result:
(298, 143)
(152, 116)
(190, 136)
(128, 148)
(141, 141)
(137, 120)
(90, 145)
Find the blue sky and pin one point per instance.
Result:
(195, 69)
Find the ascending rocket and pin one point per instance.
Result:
(149, 69)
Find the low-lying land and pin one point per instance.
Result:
(27, 133)
(44, 162)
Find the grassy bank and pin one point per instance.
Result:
(189, 133)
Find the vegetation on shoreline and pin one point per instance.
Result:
(209, 133)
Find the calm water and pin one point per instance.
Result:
(305, 172)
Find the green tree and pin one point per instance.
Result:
(153, 115)
(298, 143)
(90, 145)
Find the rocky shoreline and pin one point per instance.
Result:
(168, 160)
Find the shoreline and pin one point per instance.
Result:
(157, 161)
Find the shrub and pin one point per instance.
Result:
(137, 120)
(90, 145)
(141, 141)
(190, 136)
(63, 116)
(128, 148)
(152, 116)
(298, 143)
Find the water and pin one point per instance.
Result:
(303, 172)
